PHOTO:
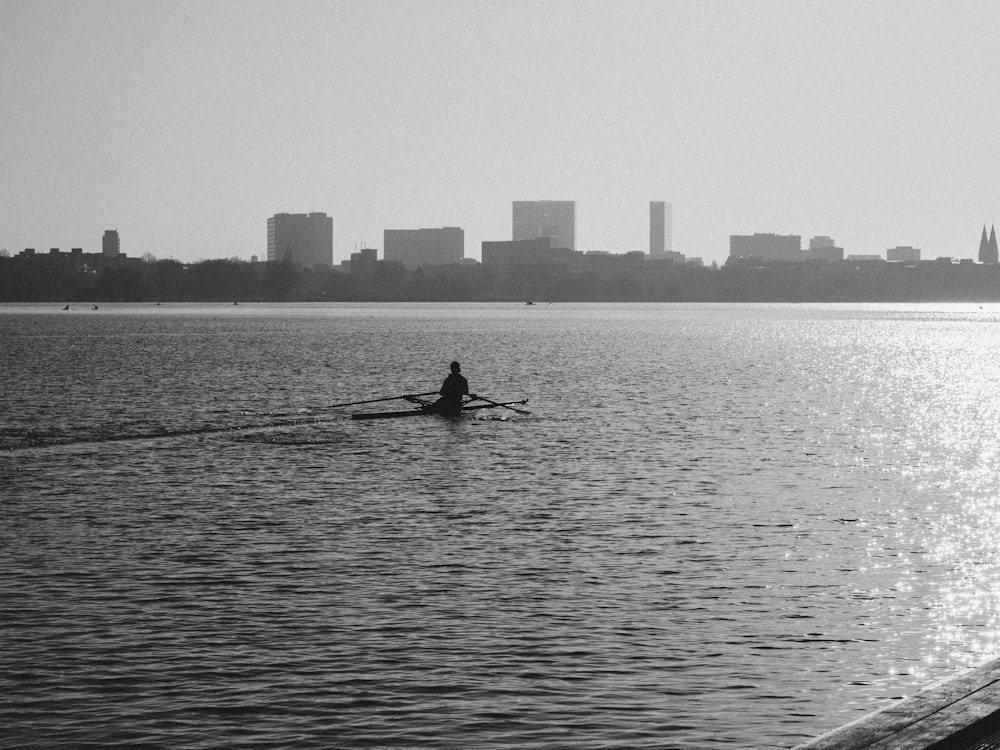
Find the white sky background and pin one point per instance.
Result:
(186, 124)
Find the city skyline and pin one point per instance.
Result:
(182, 124)
(660, 220)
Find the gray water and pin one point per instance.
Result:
(720, 525)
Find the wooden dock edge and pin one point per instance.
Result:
(959, 713)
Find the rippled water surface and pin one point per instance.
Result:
(720, 525)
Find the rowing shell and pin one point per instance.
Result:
(424, 412)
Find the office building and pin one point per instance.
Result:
(508, 254)
(363, 262)
(553, 219)
(424, 247)
(661, 220)
(110, 243)
(902, 254)
(823, 248)
(304, 239)
(767, 247)
(829, 253)
(516, 252)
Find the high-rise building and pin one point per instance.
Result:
(363, 262)
(766, 246)
(661, 220)
(424, 247)
(988, 247)
(657, 227)
(304, 239)
(817, 242)
(823, 248)
(902, 254)
(111, 245)
(555, 219)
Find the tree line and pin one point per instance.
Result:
(604, 279)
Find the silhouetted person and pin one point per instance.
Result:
(454, 388)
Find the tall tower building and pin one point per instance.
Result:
(992, 251)
(554, 219)
(306, 239)
(656, 227)
(111, 245)
(984, 247)
(661, 226)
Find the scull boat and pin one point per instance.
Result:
(425, 409)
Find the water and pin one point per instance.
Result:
(721, 525)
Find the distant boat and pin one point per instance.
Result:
(529, 302)
(66, 308)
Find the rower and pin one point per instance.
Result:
(455, 386)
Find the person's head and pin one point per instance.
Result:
(455, 367)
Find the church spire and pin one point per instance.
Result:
(984, 247)
(991, 251)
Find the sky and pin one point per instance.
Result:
(185, 125)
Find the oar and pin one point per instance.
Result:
(376, 400)
(497, 403)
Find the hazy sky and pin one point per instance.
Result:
(186, 124)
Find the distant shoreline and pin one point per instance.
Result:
(616, 279)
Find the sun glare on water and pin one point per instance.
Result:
(953, 444)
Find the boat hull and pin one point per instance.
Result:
(417, 413)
